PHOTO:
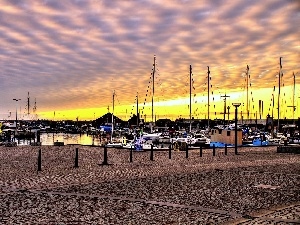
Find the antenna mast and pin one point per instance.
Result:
(225, 96)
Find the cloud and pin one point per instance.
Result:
(74, 53)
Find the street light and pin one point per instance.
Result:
(16, 99)
(236, 105)
(228, 108)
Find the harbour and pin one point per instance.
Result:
(149, 112)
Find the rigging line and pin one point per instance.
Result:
(148, 91)
(117, 98)
(133, 105)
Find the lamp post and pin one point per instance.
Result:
(228, 108)
(16, 99)
(236, 105)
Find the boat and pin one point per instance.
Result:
(137, 145)
(114, 145)
(201, 140)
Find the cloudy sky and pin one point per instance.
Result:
(72, 54)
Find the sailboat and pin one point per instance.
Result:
(112, 143)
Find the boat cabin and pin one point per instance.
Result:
(226, 136)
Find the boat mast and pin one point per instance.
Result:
(137, 109)
(28, 105)
(153, 88)
(273, 102)
(112, 117)
(294, 90)
(247, 104)
(208, 85)
(34, 110)
(278, 103)
(190, 98)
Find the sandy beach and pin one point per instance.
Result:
(258, 186)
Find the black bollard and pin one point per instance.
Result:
(76, 158)
(187, 151)
(225, 149)
(38, 136)
(151, 153)
(201, 151)
(130, 156)
(170, 152)
(214, 150)
(40, 160)
(105, 156)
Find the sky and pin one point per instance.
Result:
(72, 55)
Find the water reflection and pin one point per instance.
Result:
(50, 138)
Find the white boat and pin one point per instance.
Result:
(201, 140)
(129, 144)
(194, 140)
(141, 143)
(114, 145)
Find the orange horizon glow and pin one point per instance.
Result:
(179, 108)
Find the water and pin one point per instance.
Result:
(50, 138)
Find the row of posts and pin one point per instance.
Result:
(105, 158)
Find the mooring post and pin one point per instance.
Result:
(40, 160)
(214, 150)
(105, 156)
(76, 158)
(130, 156)
(201, 151)
(187, 151)
(225, 149)
(170, 152)
(151, 153)
(38, 136)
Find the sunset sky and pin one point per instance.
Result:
(72, 54)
